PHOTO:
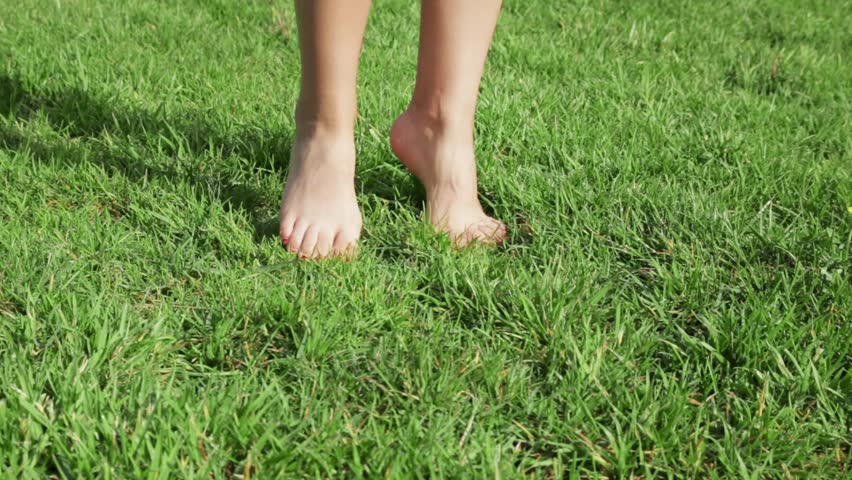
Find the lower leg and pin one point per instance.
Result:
(319, 213)
(434, 137)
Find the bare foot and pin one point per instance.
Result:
(319, 212)
(446, 166)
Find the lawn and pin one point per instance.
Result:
(674, 298)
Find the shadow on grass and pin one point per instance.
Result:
(89, 124)
(87, 121)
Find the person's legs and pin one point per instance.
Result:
(434, 137)
(319, 212)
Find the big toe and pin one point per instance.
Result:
(345, 243)
(488, 231)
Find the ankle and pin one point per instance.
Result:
(445, 121)
(312, 132)
(323, 145)
(326, 119)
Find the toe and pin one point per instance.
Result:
(308, 247)
(297, 236)
(489, 232)
(464, 238)
(497, 233)
(345, 243)
(286, 229)
(324, 241)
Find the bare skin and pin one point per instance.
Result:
(433, 137)
(319, 212)
(446, 166)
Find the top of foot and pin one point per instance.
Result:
(319, 212)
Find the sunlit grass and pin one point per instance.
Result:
(673, 299)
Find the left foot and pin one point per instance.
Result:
(444, 162)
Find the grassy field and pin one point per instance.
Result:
(673, 301)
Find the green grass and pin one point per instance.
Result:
(673, 300)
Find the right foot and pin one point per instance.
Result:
(446, 165)
(319, 212)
